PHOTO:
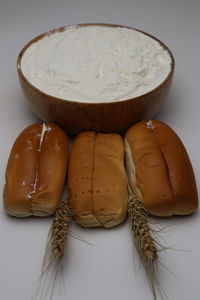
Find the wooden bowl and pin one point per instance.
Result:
(102, 117)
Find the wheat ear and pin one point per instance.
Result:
(144, 241)
(59, 230)
(55, 249)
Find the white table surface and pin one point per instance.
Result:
(109, 269)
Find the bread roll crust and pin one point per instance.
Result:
(36, 171)
(97, 181)
(163, 176)
(80, 177)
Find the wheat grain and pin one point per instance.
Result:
(54, 252)
(59, 230)
(145, 243)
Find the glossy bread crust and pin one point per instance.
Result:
(36, 171)
(160, 170)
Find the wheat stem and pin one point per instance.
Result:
(144, 241)
(54, 252)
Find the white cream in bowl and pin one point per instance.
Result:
(96, 63)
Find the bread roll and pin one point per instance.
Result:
(97, 182)
(36, 171)
(159, 169)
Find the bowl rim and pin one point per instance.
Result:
(63, 28)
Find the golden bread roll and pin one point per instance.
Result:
(36, 171)
(97, 181)
(159, 169)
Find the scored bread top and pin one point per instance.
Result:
(36, 171)
(164, 178)
(97, 181)
(181, 174)
(20, 172)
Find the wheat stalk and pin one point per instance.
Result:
(54, 252)
(145, 243)
(59, 230)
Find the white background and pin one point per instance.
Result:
(108, 269)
